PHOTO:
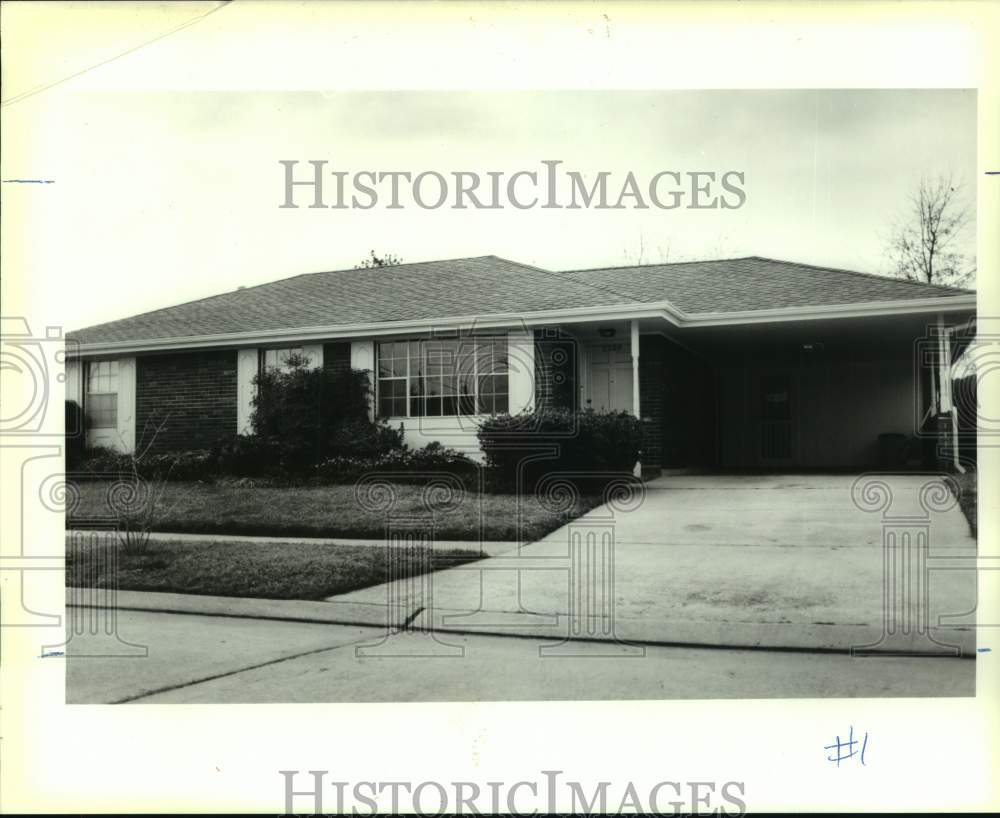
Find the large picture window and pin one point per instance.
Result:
(443, 377)
(102, 394)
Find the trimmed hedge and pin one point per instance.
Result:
(582, 446)
(433, 459)
(254, 458)
(196, 464)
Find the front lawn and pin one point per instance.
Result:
(257, 570)
(332, 511)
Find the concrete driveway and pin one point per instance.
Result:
(778, 560)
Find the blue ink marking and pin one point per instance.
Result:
(54, 653)
(983, 650)
(849, 746)
(28, 181)
(993, 173)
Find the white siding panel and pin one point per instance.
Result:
(246, 390)
(521, 384)
(74, 381)
(363, 357)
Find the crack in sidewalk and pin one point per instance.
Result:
(269, 662)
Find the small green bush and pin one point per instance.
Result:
(100, 460)
(196, 464)
(417, 464)
(584, 446)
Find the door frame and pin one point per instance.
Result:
(790, 374)
(588, 365)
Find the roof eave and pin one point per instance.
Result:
(664, 310)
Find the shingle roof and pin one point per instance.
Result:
(755, 283)
(490, 285)
(424, 290)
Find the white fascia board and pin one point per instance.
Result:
(375, 329)
(931, 306)
(664, 310)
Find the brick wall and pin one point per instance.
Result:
(337, 356)
(193, 394)
(677, 404)
(652, 396)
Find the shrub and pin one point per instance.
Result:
(76, 436)
(197, 464)
(418, 463)
(586, 446)
(248, 456)
(100, 460)
(304, 416)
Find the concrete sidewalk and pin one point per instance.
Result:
(487, 547)
(218, 659)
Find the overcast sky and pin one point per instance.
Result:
(188, 185)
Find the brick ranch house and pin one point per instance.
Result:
(740, 363)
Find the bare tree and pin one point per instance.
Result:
(639, 258)
(385, 260)
(927, 244)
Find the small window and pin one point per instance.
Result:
(278, 358)
(102, 394)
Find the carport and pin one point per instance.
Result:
(841, 394)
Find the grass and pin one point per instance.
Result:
(968, 497)
(333, 511)
(257, 570)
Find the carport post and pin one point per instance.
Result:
(945, 403)
(634, 347)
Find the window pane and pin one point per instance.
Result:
(433, 407)
(102, 411)
(501, 404)
(385, 407)
(416, 407)
(449, 406)
(384, 363)
(399, 366)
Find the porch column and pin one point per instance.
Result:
(633, 327)
(945, 403)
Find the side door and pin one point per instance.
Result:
(776, 418)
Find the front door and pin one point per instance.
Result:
(610, 378)
(776, 420)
